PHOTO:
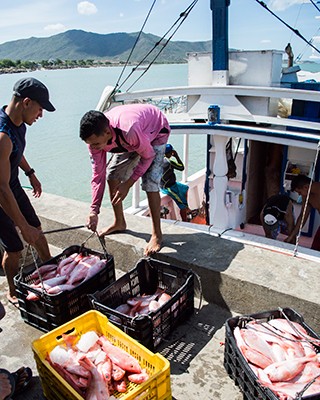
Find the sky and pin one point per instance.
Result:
(251, 26)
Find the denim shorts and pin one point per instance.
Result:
(9, 236)
(121, 166)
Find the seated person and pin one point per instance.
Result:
(300, 184)
(277, 216)
(169, 185)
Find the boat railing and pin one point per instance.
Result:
(186, 109)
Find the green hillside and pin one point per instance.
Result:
(81, 45)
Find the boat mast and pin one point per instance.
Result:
(220, 45)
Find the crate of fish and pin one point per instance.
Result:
(273, 355)
(89, 354)
(57, 290)
(149, 301)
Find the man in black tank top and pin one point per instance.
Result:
(277, 216)
(29, 99)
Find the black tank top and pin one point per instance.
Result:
(17, 136)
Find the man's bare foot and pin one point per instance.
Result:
(13, 300)
(153, 246)
(114, 228)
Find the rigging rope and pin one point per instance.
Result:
(182, 16)
(315, 5)
(134, 46)
(137, 39)
(306, 202)
(288, 26)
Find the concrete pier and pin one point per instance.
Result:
(235, 279)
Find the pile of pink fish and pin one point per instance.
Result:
(95, 367)
(143, 304)
(282, 355)
(65, 275)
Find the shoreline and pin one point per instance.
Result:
(16, 70)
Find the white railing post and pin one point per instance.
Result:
(136, 195)
(185, 157)
(217, 204)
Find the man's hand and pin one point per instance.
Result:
(30, 234)
(92, 221)
(120, 193)
(35, 183)
(290, 239)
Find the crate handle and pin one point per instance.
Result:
(65, 229)
(31, 249)
(101, 240)
(200, 289)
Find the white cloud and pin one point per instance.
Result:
(281, 5)
(55, 28)
(121, 15)
(265, 41)
(316, 39)
(86, 8)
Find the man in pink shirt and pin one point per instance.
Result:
(136, 135)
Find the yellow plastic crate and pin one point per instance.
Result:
(56, 388)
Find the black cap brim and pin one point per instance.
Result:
(47, 106)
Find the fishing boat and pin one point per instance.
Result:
(268, 121)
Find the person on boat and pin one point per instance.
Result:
(277, 216)
(13, 383)
(301, 184)
(176, 190)
(136, 135)
(29, 99)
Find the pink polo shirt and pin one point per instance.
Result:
(140, 125)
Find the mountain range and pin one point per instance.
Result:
(114, 47)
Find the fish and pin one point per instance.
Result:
(256, 358)
(154, 305)
(120, 357)
(81, 269)
(94, 269)
(60, 288)
(139, 378)
(286, 370)
(293, 328)
(98, 390)
(117, 372)
(120, 386)
(105, 369)
(256, 342)
(42, 270)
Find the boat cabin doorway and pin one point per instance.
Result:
(263, 176)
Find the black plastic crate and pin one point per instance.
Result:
(237, 366)
(145, 278)
(53, 310)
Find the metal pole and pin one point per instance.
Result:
(185, 157)
(220, 45)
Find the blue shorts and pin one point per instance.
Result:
(178, 192)
(281, 227)
(8, 233)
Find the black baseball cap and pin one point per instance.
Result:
(34, 90)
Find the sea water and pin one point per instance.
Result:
(54, 148)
